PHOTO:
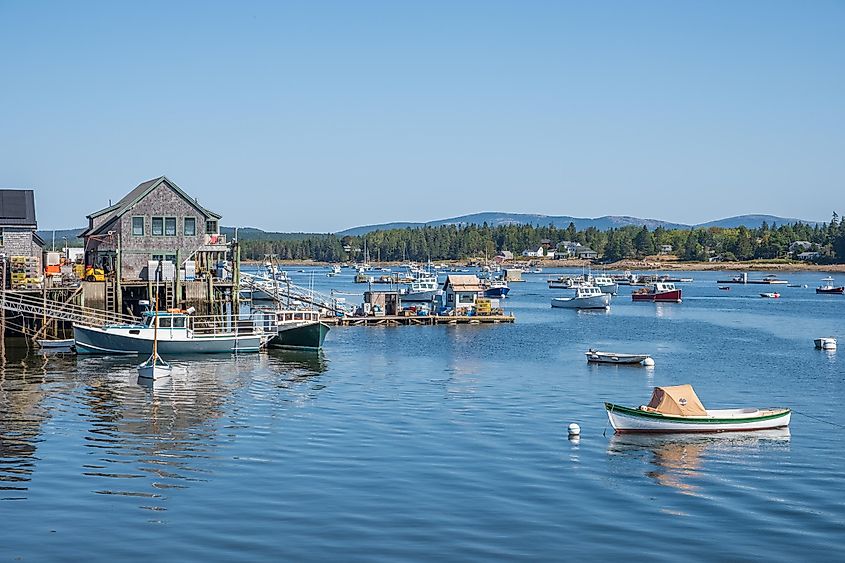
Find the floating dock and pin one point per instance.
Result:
(427, 320)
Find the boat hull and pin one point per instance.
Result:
(307, 335)
(496, 292)
(831, 291)
(419, 296)
(612, 288)
(626, 419)
(673, 296)
(94, 340)
(610, 358)
(593, 302)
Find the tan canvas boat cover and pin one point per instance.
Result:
(678, 400)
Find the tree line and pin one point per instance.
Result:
(453, 242)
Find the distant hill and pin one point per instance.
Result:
(562, 221)
(752, 221)
(495, 219)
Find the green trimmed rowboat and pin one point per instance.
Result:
(678, 409)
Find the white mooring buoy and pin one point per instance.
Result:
(648, 362)
(574, 430)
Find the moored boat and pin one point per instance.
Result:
(298, 329)
(770, 295)
(828, 288)
(178, 333)
(586, 297)
(825, 343)
(658, 292)
(678, 409)
(423, 289)
(496, 288)
(595, 356)
(605, 284)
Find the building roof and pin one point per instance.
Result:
(463, 283)
(17, 207)
(133, 197)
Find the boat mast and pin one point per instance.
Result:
(155, 317)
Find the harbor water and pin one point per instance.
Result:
(440, 442)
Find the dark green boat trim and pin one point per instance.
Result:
(684, 419)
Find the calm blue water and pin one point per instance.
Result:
(439, 443)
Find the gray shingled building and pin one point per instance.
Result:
(155, 221)
(18, 225)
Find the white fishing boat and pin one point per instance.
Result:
(678, 409)
(606, 284)
(770, 295)
(179, 332)
(595, 356)
(334, 271)
(586, 297)
(825, 343)
(423, 289)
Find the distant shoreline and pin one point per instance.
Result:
(633, 265)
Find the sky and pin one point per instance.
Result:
(318, 116)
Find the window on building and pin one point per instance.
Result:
(190, 226)
(137, 226)
(158, 226)
(464, 298)
(170, 226)
(164, 258)
(211, 227)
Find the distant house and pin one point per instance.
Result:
(809, 256)
(155, 221)
(800, 246)
(462, 291)
(533, 253)
(504, 256)
(18, 226)
(665, 248)
(586, 253)
(545, 243)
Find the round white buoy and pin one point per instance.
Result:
(648, 362)
(574, 430)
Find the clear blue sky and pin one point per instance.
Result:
(317, 116)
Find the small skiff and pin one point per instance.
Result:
(56, 344)
(678, 409)
(594, 356)
(770, 295)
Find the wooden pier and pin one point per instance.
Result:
(426, 320)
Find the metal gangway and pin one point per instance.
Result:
(284, 292)
(39, 307)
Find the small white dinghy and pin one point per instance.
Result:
(594, 356)
(154, 368)
(825, 343)
(678, 409)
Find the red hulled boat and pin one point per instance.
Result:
(661, 292)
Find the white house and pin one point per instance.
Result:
(665, 248)
(534, 253)
(462, 291)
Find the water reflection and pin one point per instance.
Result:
(21, 416)
(676, 459)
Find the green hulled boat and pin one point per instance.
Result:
(298, 329)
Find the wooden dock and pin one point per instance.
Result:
(427, 320)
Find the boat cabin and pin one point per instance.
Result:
(659, 287)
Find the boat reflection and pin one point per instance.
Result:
(675, 459)
(300, 363)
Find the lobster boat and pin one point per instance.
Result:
(678, 409)
(661, 292)
(828, 288)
